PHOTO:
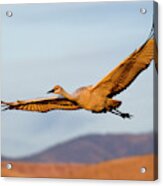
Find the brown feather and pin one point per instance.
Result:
(42, 104)
(126, 72)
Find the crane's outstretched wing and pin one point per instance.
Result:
(41, 104)
(125, 73)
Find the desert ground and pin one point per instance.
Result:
(123, 168)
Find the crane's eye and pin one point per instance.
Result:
(57, 89)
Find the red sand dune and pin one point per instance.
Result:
(119, 169)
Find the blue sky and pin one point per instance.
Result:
(71, 44)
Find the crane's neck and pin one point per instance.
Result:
(67, 95)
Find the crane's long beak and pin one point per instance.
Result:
(50, 91)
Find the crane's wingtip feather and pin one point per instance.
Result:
(5, 106)
(4, 109)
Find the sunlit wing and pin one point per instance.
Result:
(41, 105)
(125, 73)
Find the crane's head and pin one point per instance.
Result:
(56, 90)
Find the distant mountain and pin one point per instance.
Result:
(94, 148)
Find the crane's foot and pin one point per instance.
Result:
(126, 115)
(121, 114)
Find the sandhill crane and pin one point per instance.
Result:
(96, 98)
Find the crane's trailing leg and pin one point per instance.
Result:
(121, 114)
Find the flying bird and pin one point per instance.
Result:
(97, 98)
